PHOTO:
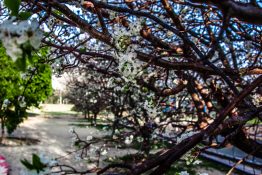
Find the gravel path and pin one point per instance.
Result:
(55, 141)
(54, 138)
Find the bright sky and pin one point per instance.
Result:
(58, 83)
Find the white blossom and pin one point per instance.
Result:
(103, 152)
(6, 102)
(197, 162)
(129, 140)
(15, 33)
(140, 139)
(88, 138)
(183, 173)
(71, 130)
(21, 100)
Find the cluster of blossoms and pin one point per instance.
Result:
(16, 35)
(186, 173)
(129, 66)
(129, 140)
(151, 109)
(5, 104)
(257, 99)
(21, 100)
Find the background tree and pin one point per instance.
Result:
(88, 93)
(21, 90)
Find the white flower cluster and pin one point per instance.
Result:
(5, 104)
(88, 138)
(140, 139)
(21, 100)
(151, 110)
(129, 140)
(129, 66)
(256, 99)
(183, 173)
(16, 33)
(71, 130)
(186, 173)
(103, 152)
(197, 162)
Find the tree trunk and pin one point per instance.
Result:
(2, 129)
(146, 145)
(95, 117)
(88, 114)
(84, 114)
(114, 126)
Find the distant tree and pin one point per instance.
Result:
(88, 94)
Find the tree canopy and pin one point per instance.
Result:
(205, 54)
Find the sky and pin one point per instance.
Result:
(59, 83)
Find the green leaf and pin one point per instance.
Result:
(24, 15)
(35, 159)
(82, 50)
(13, 5)
(21, 64)
(38, 165)
(27, 164)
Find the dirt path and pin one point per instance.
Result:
(54, 138)
(55, 141)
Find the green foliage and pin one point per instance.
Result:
(14, 118)
(36, 164)
(38, 87)
(24, 15)
(26, 58)
(32, 86)
(13, 6)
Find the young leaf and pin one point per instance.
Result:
(21, 64)
(24, 15)
(38, 165)
(27, 164)
(13, 5)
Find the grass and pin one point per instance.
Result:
(60, 113)
(98, 126)
(83, 120)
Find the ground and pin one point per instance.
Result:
(52, 131)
